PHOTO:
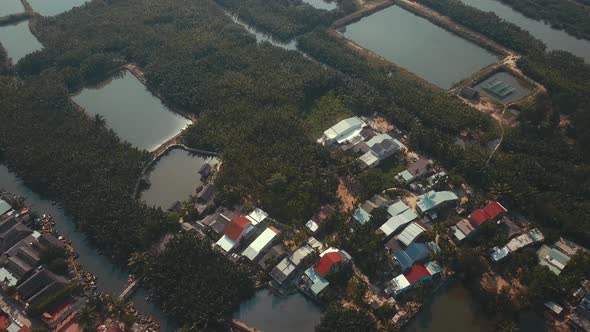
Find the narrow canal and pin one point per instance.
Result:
(419, 46)
(18, 40)
(111, 279)
(132, 111)
(553, 38)
(174, 178)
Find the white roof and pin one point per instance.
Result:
(523, 240)
(400, 282)
(286, 267)
(369, 158)
(345, 130)
(458, 233)
(406, 176)
(378, 139)
(315, 244)
(257, 216)
(298, 255)
(410, 233)
(226, 243)
(261, 242)
(318, 282)
(312, 225)
(397, 208)
(6, 275)
(4, 207)
(395, 222)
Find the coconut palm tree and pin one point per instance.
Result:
(117, 308)
(139, 262)
(87, 318)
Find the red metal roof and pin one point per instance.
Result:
(236, 227)
(326, 262)
(493, 209)
(416, 273)
(479, 216)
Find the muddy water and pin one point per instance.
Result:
(174, 178)
(128, 108)
(9, 7)
(419, 46)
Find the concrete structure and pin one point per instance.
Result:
(234, 232)
(381, 147)
(552, 258)
(331, 260)
(415, 170)
(284, 270)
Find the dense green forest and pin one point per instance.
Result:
(563, 15)
(72, 158)
(267, 159)
(537, 171)
(197, 286)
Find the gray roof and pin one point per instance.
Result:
(4, 207)
(207, 193)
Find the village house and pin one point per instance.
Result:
(41, 285)
(284, 271)
(517, 243)
(415, 170)
(380, 147)
(205, 170)
(331, 260)
(205, 197)
(4, 207)
(261, 243)
(324, 213)
(579, 320)
(272, 256)
(345, 131)
(431, 203)
(415, 253)
(395, 223)
(363, 213)
(557, 256)
(467, 227)
(411, 233)
(234, 232)
(413, 276)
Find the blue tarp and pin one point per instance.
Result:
(414, 253)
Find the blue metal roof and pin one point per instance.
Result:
(414, 253)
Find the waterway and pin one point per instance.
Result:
(322, 4)
(271, 313)
(54, 7)
(132, 111)
(18, 40)
(9, 7)
(174, 178)
(553, 38)
(419, 46)
(111, 279)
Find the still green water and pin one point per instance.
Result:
(9, 7)
(419, 46)
(132, 111)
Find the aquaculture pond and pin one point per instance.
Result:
(271, 313)
(553, 38)
(110, 278)
(18, 40)
(54, 7)
(132, 111)
(9, 7)
(174, 178)
(419, 46)
(322, 4)
(503, 87)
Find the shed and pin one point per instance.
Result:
(414, 253)
(205, 170)
(410, 233)
(398, 221)
(260, 243)
(4, 207)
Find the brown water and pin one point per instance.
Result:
(271, 313)
(174, 178)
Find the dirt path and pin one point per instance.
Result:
(346, 198)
